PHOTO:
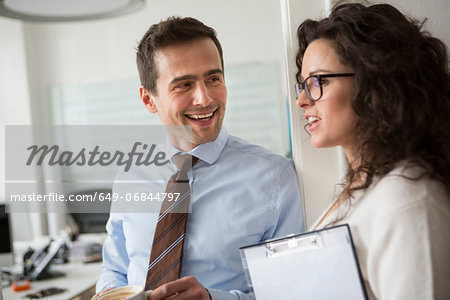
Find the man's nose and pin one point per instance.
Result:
(201, 95)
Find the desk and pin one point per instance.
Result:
(80, 278)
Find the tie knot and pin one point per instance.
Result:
(184, 162)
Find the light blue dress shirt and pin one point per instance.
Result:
(241, 194)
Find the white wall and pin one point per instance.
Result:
(321, 169)
(15, 110)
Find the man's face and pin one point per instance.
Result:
(190, 90)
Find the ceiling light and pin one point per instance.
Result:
(67, 10)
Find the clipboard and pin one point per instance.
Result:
(319, 264)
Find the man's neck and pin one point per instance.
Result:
(182, 145)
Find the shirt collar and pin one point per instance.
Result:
(208, 152)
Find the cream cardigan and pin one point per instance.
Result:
(401, 231)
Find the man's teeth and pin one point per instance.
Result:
(201, 116)
(312, 119)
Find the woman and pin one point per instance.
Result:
(370, 81)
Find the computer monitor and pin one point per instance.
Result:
(6, 248)
(95, 220)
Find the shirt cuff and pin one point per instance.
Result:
(221, 295)
(104, 283)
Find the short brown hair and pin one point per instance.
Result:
(173, 31)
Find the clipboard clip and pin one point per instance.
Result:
(293, 245)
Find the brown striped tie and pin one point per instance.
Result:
(167, 247)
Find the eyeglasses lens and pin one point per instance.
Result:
(298, 89)
(313, 87)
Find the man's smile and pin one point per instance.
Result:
(202, 117)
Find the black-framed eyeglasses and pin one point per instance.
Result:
(313, 85)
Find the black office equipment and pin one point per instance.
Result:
(37, 263)
(95, 220)
(6, 247)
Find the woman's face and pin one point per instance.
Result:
(331, 119)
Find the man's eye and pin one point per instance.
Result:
(214, 80)
(183, 86)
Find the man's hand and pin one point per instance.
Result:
(182, 289)
(101, 293)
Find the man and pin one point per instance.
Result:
(240, 193)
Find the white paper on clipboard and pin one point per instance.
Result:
(320, 264)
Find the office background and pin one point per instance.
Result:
(85, 73)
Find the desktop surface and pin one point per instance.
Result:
(80, 278)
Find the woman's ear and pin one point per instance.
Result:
(148, 100)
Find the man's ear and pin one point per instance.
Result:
(148, 100)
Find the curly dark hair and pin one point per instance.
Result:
(173, 31)
(402, 92)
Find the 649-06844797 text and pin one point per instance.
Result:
(97, 196)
